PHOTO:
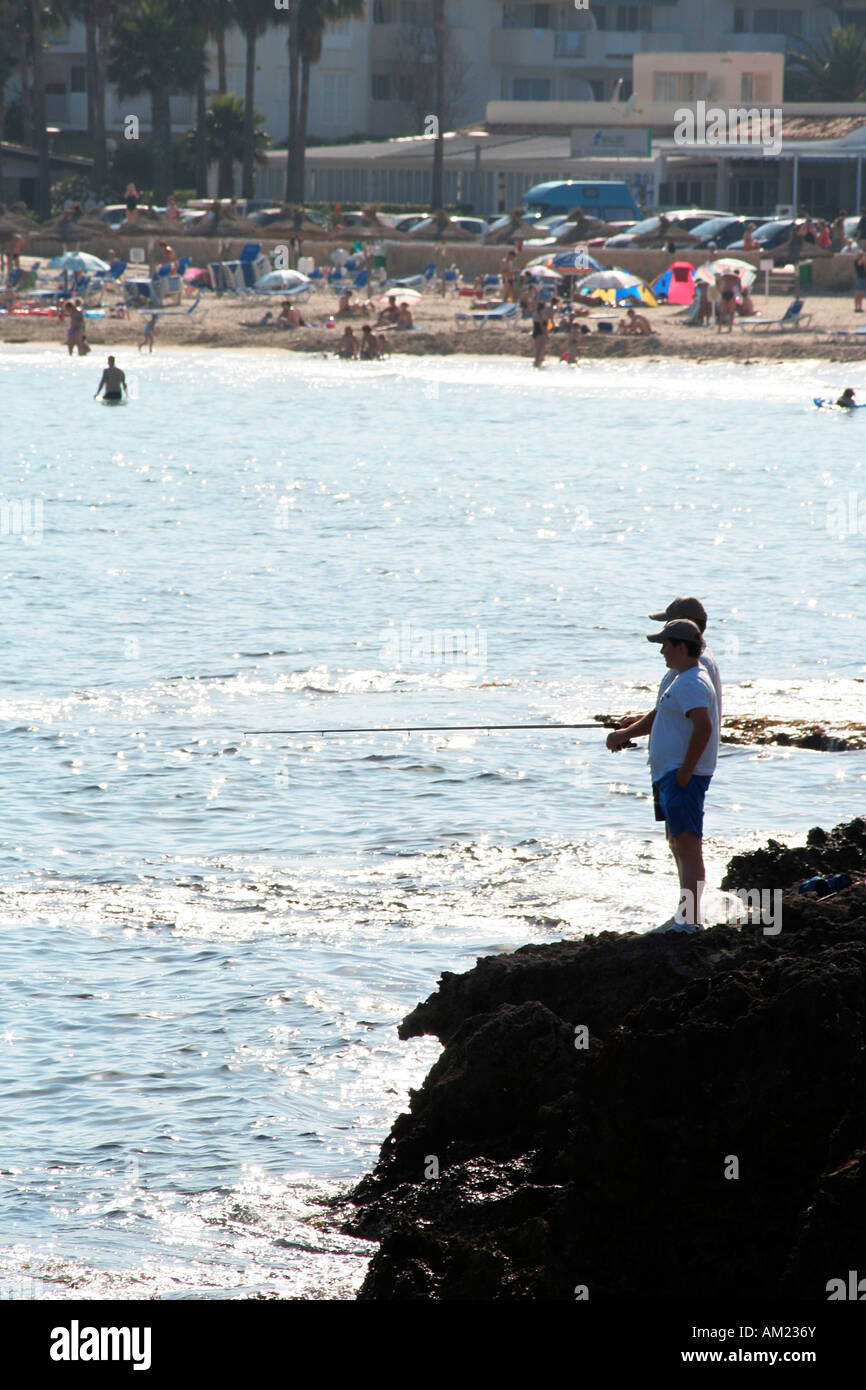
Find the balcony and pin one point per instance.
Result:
(757, 43)
(569, 43)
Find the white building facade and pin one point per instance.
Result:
(505, 51)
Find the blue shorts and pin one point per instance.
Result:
(681, 808)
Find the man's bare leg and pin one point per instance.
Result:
(688, 852)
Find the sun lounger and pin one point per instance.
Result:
(847, 332)
(415, 281)
(793, 317)
(498, 315)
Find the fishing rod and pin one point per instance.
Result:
(424, 729)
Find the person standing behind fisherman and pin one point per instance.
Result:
(684, 742)
(694, 610)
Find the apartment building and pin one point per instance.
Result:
(373, 73)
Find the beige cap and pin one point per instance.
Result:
(680, 630)
(682, 608)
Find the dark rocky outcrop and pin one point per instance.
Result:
(610, 1164)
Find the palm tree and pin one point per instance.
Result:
(253, 17)
(43, 189)
(440, 43)
(831, 69)
(307, 23)
(225, 129)
(159, 49)
(99, 17)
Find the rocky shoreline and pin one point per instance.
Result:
(641, 1117)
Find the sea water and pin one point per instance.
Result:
(209, 934)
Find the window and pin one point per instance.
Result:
(77, 79)
(678, 86)
(747, 86)
(335, 98)
(630, 18)
(383, 11)
(416, 14)
(531, 89)
(778, 22)
(740, 22)
(406, 87)
(526, 17)
(381, 86)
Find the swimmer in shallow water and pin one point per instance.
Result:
(113, 379)
(847, 398)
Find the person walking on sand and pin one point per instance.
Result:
(539, 333)
(149, 333)
(114, 381)
(859, 281)
(684, 744)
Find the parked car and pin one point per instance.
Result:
(770, 236)
(680, 219)
(115, 213)
(475, 226)
(721, 231)
(264, 216)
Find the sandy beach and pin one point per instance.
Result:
(232, 322)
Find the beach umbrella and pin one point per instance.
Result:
(542, 272)
(726, 265)
(615, 286)
(78, 260)
(575, 262)
(197, 275)
(402, 297)
(282, 280)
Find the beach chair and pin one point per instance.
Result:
(501, 314)
(165, 289)
(793, 317)
(253, 270)
(250, 252)
(415, 281)
(360, 280)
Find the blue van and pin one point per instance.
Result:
(609, 202)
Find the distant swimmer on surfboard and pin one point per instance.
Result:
(114, 381)
(847, 397)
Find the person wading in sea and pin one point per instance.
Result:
(113, 379)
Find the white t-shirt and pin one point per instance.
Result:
(706, 659)
(672, 729)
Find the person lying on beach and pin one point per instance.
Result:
(114, 381)
(634, 325)
(266, 320)
(347, 347)
(847, 398)
(390, 314)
